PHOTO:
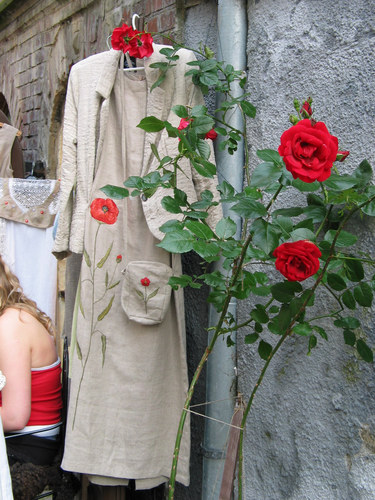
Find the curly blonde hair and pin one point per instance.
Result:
(11, 295)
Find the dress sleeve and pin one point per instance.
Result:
(68, 173)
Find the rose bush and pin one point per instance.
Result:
(308, 239)
(297, 260)
(308, 151)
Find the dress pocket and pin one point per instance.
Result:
(145, 293)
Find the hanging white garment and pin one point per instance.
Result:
(5, 479)
(27, 212)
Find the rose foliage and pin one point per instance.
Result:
(286, 256)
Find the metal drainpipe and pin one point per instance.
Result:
(221, 364)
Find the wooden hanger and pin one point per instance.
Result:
(18, 134)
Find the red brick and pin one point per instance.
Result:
(157, 5)
(167, 21)
(166, 3)
(152, 25)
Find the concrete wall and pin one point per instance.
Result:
(311, 433)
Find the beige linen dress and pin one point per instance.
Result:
(7, 137)
(129, 379)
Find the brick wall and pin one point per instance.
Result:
(38, 44)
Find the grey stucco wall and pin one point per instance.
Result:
(310, 434)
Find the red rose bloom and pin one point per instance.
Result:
(143, 46)
(184, 122)
(211, 135)
(306, 109)
(145, 281)
(342, 155)
(297, 260)
(104, 210)
(123, 38)
(308, 151)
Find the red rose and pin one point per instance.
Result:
(184, 122)
(308, 151)
(143, 46)
(342, 155)
(306, 109)
(145, 282)
(211, 135)
(298, 260)
(123, 38)
(104, 210)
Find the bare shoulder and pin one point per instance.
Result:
(15, 321)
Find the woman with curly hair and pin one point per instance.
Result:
(31, 401)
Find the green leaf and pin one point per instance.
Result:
(204, 168)
(200, 230)
(79, 350)
(202, 124)
(116, 192)
(264, 174)
(321, 331)
(288, 212)
(152, 294)
(348, 322)
(105, 311)
(340, 182)
(284, 318)
(259, 314)
(344, 239)
(284, 292)
(177, 242)
(335, 281)
(265, 235)
(264, 350)
(171, 205)
(302, 233)
(303, 329)
(250, 338)
(348, 300)
(354, 269)
(154, 149)
(363, 174)
(180, 111)
(249, 209)
(248, 108)
(204, 148)
(363, 294)
(270, 155)
(171, 225)
(103, 259)
(182, 281)
(226, 228)
(305, 186)
(159, 81)
(364, 351)
(312, 343)
(349, 337)
(209, 251)
(151, 124)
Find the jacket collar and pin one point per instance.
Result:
(110, 67)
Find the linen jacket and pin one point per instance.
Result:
(86, 116)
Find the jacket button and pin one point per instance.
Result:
(143, 197)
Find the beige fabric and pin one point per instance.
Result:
(129, 380)
(29, 201)
(7, 136)
(86, 124)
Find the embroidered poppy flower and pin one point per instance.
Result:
(119, 259)
(308, 151)
(297, 260)
(145, 282)
(104, 210)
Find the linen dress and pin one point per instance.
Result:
(129, 380)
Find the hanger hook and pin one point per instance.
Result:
(134, 17)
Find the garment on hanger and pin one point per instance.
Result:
(129, 372)
(7, 137)
(27, 212)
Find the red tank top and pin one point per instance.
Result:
(46, 399)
